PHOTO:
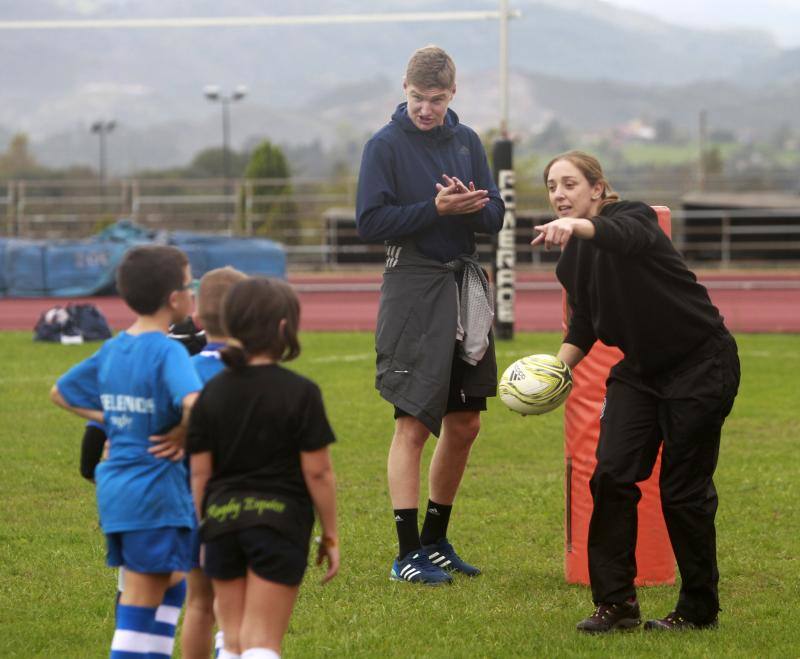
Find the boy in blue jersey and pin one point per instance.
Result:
(198, 621)
(93, 444)
(141, 386)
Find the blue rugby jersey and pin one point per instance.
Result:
(208, 363)
(139, 381)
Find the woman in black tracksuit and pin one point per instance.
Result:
(629, 287)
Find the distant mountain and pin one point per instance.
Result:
(346, 116)
(583, 60)
(781, 69)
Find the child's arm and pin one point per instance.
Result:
(201, 462)
(58, 399)
(181, 384)
(171, 444)
(92, 447)
(321, 483)
(200, 465)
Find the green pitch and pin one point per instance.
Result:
(56, 595)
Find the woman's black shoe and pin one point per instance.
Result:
(611, 617)
(677, 623)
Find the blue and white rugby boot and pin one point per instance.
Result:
(444, 556)
(415, 567)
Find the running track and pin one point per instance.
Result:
(750, 302)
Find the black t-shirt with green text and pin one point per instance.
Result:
(255, 422)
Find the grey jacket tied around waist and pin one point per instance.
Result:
(475, 309)
(421, 316)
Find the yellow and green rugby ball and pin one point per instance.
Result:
(535, 384)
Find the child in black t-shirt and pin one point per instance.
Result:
(260, 465)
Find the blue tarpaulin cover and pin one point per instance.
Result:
(70, 268)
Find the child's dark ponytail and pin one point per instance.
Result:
(234, 355)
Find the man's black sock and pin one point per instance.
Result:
(434, 528)
(407, 530)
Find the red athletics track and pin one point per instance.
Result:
(749, 301)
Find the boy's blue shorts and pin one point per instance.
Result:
(151, 551)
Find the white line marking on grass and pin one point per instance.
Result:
(768, 354)
(39, 378)
(343, 358)
(762, 354)
(518, 354)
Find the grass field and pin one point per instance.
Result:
(56, 595)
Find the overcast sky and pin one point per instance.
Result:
(780, 17)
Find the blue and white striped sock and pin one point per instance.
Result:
(219, 643)
(120, 588)
(166, 621)
(133, 635)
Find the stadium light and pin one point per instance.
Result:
(102, 128)
(213, 93)
(239, 92)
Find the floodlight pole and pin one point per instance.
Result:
(102, 128)
(702, 171)
(212, 93)
(226, 139)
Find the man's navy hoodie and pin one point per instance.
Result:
(400, 168)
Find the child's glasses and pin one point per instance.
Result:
(192, 286)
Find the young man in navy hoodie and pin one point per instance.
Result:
(425, 190)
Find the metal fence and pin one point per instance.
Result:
(60, 209)
(314, 218)
(729, 236)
